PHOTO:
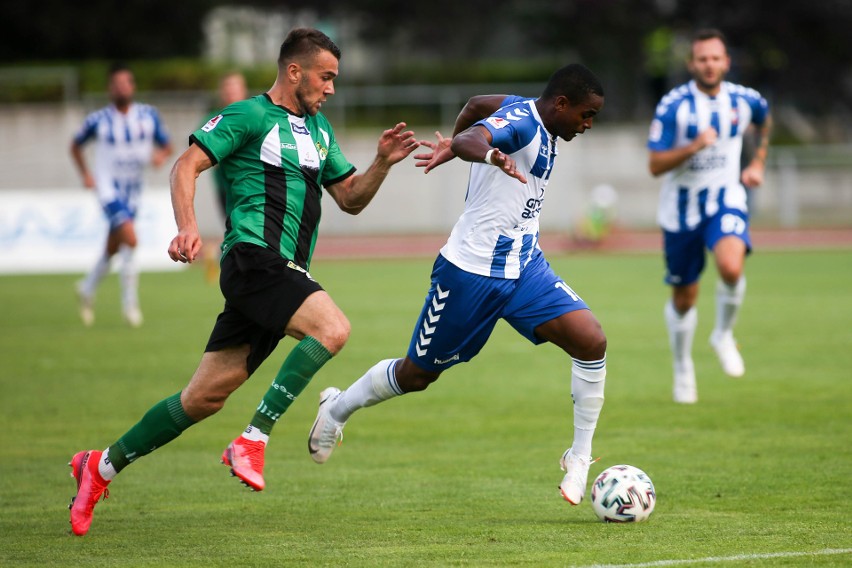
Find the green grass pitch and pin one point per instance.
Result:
(759, 472)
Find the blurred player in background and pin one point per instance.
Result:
(129, 136)
(232, 88)
(492, 268)
(696, 141)
(276, 151)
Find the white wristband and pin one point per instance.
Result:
(488, 155)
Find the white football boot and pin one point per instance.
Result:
(326, 433)
(133, 317)
(576, 468)
(685, 390)
(729, 356)
(87, 306)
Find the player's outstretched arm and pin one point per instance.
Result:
(354, 193)
(441, 152)
(474, 145)
(476, 108)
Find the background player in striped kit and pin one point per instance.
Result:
(276, 151)
(129, 136)
(696, 141)
(493, 268)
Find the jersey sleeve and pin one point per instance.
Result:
(88, 131)
(161, 135)
(759, 107)
(227, 131)
(661, 135)
(508, 126)
(337, 168)
(512, 99)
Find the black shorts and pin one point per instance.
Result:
(262, 292)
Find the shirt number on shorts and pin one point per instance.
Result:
(732, 224)
(567, 289)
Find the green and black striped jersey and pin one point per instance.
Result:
(275, 164)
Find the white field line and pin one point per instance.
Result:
(718, 559)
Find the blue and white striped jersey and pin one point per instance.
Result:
(124, 146)
(692, 191)
(497, 233)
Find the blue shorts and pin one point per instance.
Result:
(462, 308)
(685, 251)
(118, 213)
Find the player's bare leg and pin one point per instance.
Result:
(322, 330)
(730, 261)
(580, 335)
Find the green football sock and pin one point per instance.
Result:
(164, 422)
(300, 366)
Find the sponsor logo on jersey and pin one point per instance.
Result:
(322, 150)
(299, 129)
(288, 146)
(211, 124)
(497, 122)
(707, 161)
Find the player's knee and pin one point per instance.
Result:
(682, 305)
(730, 268)
(199, 406)
(596, 348)
(730, 273)
(590, 346)
(335, 336)
(201, 402)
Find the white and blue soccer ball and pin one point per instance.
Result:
(623, 494)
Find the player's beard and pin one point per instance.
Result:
(305, 105)
(709, 85)
(122, 101)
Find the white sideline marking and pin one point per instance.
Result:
(738, 557)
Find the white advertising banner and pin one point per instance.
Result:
(64, 231)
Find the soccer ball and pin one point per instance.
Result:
(623, 494)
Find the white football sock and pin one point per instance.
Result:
(105, 467)
(129, 278)
(89, 285)
(728, 302)
(255, 435)
(587, 390)
(377, 384)
(681, 334)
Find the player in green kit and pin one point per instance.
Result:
(277, 152)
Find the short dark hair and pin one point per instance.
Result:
(117, 67)
(301, 42)
(575, 82)
(709, 33)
